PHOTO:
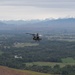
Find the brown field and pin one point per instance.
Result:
(10, 71)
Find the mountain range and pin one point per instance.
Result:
(47, 25)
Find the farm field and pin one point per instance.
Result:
(52, 64)
(18, 45)
(68, 60)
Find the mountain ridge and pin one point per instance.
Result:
(65, 24)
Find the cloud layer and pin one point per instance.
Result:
(36, 9)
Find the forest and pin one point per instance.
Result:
(18, 49)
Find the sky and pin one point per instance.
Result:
(36, 9)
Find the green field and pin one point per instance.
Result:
(65, 61)
(1, 52)
(68, 60)
(52, 64)
(18, 45)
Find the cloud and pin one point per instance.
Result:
(36, 9)
(32, 2)
(40, 3)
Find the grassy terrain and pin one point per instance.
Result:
(52, 64)
(18, 45)
(1, 52)
(10, 71)
(36, 73)
(68, 60)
